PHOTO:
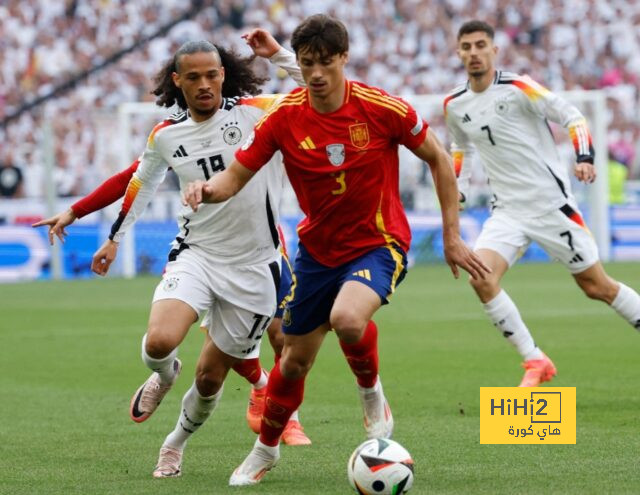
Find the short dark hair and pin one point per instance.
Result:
(475, 26)
(321, 35)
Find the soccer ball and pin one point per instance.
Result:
(380, 467)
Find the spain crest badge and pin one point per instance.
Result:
(359, 135)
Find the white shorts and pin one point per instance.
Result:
(561, 233)
(241, 300)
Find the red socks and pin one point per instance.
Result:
(249, 369)
(284, 396)
(363, 356)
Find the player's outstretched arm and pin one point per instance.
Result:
(219, 188)
(456, 252)
(106, 193)
(57, 223)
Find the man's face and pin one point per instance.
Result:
(200, 78)
(477, 53)
(323, 74)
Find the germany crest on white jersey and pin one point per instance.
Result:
(507, 125)
(241, 230)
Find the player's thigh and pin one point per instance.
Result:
(366, 283)
(178, 300)
(248, 286)
(252, 286)
(285, 288)
(313, 291)
(169, 322)
(237, 331)
(353, 308)
(504, 235)
(564, 237)
(378, 272)
(185, 279)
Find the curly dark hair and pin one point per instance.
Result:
(239, 78)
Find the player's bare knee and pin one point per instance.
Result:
(348, 324)
(350, 336)
(600, 291)
(485, 288)
(207, 382)
(294, 367)
(158, 345)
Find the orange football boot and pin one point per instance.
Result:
(537, 371)
(294, 434)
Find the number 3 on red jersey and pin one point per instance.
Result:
(342, 185)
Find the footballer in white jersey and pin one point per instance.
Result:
(504, 118)
(193, 277)
(225, 258)
(507, 125)
(239, 231)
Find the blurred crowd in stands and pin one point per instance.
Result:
(404, 46)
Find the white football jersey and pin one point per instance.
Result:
(241, 230)
(507, 125)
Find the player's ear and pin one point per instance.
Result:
(222, 73)
(176, 79)
(345, 57)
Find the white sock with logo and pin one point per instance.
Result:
(504, 314)
(627, 305)
(195, 411)
(163, 366)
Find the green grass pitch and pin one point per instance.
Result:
(69, 362)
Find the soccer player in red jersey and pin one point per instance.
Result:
(339, 141)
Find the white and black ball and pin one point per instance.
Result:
(380, 466)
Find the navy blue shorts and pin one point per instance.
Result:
(285, 286)
(315, 286)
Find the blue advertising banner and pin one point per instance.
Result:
(25, 253)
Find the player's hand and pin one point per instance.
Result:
(57, 223)
(585, 172)
(195, 193)
(262, 43)
(103, 257)
(457, 254)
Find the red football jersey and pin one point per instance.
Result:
(343, 167)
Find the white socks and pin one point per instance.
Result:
(504, 314)
(262, 381)
(164, 366)
(627, 305)
(195, 411)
